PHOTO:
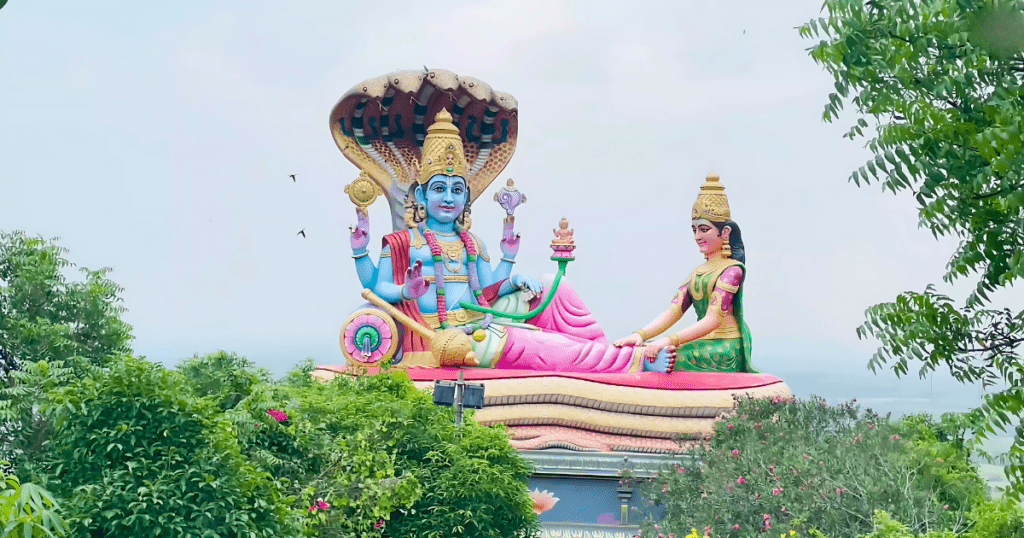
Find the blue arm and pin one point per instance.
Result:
(365, 269)
(385, 286)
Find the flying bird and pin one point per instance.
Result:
(292, 176)
(302, 232)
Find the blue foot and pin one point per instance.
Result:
(660, 363)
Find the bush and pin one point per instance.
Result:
(134, 454)
(51, 332)
(28, 510)
(372, 455)
(829, 468)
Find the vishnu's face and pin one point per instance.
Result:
(444, 196)
(707, 236)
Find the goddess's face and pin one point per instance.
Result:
(444, 196)
(709, 239)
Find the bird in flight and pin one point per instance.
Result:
(302, 232)
(292, 176)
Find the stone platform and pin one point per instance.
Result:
(587, 412)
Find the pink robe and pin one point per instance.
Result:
(570, 339)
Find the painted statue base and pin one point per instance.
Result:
(601, 412)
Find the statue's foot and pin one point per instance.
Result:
(662, 362)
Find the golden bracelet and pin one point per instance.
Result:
(643, 335)
(674, 339)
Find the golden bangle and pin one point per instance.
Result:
(643, 335)
(674, 339)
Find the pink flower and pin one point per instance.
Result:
(730, 426)
(707, 530)
(322, 505)
(896, 437)
(730, 488)
(945, 507)
(741, 480)
(838, 492)
(736, 527)
(664, 489)
(757, 425)
(379, 524)
(543, 500)
(682, 469)
(776, 491)
(279, 416)
(735, 452)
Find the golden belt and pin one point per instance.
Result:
(455, 317)
(447, 278)
(728, 329)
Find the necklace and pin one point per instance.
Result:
(436, 253)
(452, 254)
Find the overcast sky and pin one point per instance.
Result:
(157, 138)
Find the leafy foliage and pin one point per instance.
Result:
(944, 82)
(226, 377)
(810, 466)
(51, 331)
(27, 510)
(134, 454)
(376, 451)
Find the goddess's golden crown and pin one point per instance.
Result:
(442, 150)
(711, 204)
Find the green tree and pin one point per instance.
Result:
(135, 454)
(375, 450)
(28, 510)
(52, 331)
(778, 466)
(943, 83)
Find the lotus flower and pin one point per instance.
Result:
(542, 500)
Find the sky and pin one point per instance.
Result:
(156, 138)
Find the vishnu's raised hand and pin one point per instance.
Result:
(360, 238)
(509, 239)
(415, 285)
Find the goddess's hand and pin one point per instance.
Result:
(415, 285)
(525, 283)
(509, 239)
(631, 340)
(360, 237)
(652, 349)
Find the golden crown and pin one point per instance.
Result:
(711, 204)
(442, 150)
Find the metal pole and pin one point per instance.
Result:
(459, 389)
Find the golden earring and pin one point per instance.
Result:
(726, 250)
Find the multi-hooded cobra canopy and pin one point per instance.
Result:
(380, 125)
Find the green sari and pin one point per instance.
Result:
(726, 349)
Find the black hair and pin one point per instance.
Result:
(735, 240)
